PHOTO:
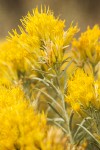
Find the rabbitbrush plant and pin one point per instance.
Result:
(49, 86)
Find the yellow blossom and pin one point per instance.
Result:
(83, 91)
(21, 126)
(11, 56)
(86, 50)
(43, 36)
(87, 47)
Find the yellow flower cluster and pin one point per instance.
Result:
(8, 52)
(13, 59)
(43, 36)
(83, 91)
(87, 47)
(20, 126)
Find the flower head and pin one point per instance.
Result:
(86, 49)
(21, 126)
(83, 91)
(44, 37)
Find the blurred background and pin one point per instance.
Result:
(83, 12)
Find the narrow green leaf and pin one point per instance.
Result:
(55, 110)
(89, 133)
(78, 129)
